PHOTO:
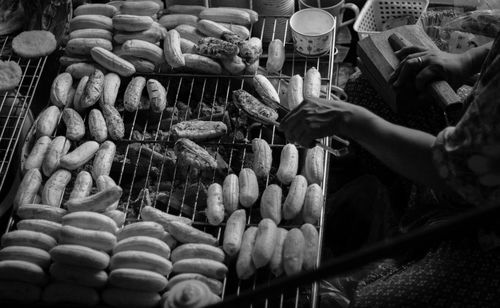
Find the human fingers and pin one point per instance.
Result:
(305, 139)
(422, 54)
(406, 51)
(394, 76)
(292, 112)
(288, 121)
(409, 68)
(296, 127)
(426, 76)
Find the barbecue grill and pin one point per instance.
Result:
(15, 117)
(142, 167)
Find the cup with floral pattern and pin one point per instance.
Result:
(312, 31)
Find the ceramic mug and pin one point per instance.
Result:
(334, 7)
(312, 31)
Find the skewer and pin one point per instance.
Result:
(335, 137)
(330, 150)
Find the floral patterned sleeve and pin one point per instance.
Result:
(468, 155)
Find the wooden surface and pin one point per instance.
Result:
(439, 90)
(379, 60)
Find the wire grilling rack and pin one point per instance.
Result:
(15, 105)
(148, 176)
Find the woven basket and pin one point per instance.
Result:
(376, 12)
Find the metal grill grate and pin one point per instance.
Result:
(147, 177)
(15, 105)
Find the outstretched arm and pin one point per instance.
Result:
(404, 150)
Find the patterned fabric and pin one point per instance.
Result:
(456, 274)
(402, 192)
(468, 155)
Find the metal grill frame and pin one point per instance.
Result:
(12, 122)
(203, 81)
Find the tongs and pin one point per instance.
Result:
(266, 115)
(336, 152)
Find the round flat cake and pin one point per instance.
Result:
(34, 44)
(10, 75)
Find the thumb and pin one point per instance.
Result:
(406, 51)
(426, 76)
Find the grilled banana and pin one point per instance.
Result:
(216, 48)
(190, 154)
(211, 28)
(172, 49)
(199, 63)
(266, 91)
(199, 130)
(254, 108)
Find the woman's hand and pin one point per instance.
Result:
(424, 66)
(316, 118)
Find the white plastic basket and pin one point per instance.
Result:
(376, 12)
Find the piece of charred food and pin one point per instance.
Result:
(216, 48)
(254, 108)
(199, 130)
(189, 154)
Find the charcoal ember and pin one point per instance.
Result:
(221, 170)
(164, 135)
(248, 162)
(131, 167)
(137, 135)
(184, 113)
(162, 186)
(195, 195)
(166, 123)
(227, 120)
(199, 130)
(170, 112)
(222, 166)
(142, 199)
(205, 111)
(148, 136)
(166, 158)
(144, 104)
(216, 48)
(253, 108)
(157, 147)
(172, 202)
(160, 197)
(189, 154)
(240, 135)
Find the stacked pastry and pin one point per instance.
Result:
(197, 259)
(137, 34)
(139, 266)
(81, 258)
(24, 257)
(87, 236)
